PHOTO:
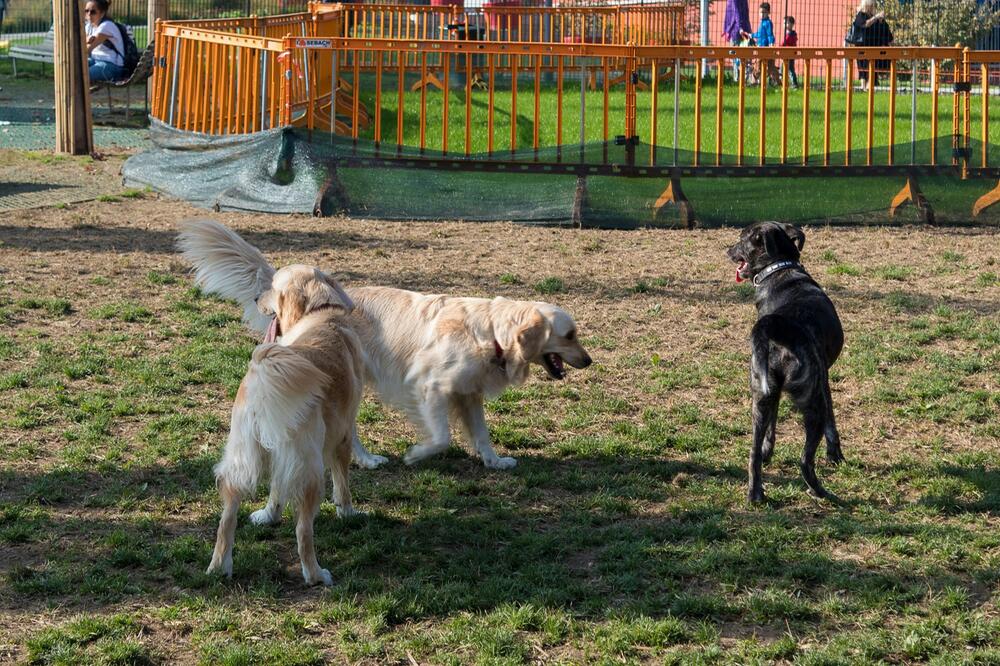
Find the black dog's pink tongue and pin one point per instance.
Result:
(739, 269)
(272, 331)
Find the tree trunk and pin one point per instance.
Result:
(74, 130)
(155, 10)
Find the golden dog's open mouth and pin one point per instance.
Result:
(273, 331)
(554, 365)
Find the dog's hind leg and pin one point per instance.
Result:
(433, 413)
(470, 411)
(765, 410)
(308, 507)
(767, 450)
(814, 419)
(222, 557)
(833, 452)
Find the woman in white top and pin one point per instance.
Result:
(105, 47)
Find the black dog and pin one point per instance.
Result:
(796, 339)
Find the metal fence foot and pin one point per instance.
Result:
(911, 194)
(429, 80)
(987, 200)
(673, 194)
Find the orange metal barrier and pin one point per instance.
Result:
(234, 76)
(643, 25)
(654, 24)
(817, 71)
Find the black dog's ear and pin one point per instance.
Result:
(778, 245)
(796, 234)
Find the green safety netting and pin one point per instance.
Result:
(296, 171)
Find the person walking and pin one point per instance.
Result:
(791, 40)
(870, 29)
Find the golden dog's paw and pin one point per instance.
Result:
(321, 576)
(370, 461)
(500, 463)
(263, 517)
(223, 569)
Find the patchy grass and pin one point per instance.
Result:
(892, 272)
(54, 306)
(622, 535)
(550, 285)
(509, 278)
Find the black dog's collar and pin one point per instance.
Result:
(772, 269)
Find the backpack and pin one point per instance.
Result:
(131, 56)
(855, 34)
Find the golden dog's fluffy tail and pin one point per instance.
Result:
(227, 266)
(277, 418)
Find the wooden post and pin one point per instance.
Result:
(74, 130)
(156, 10)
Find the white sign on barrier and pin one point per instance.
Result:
(313, 43)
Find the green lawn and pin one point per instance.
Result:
(524, 128)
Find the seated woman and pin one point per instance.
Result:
(105, 46)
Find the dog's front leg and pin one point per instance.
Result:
(470, 408)
(433, 412)
(363, 457)
(339, 462)
(271, 513)
(764, 412)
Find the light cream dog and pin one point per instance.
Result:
(294, 414)
(427, 355)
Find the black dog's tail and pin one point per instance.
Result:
(784, 332)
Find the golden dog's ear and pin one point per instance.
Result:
(346, 301)
(531, 337)
(324, 291)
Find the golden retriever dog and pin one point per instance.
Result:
(294, 414)
(430, 356)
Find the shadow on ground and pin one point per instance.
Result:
(450, 537)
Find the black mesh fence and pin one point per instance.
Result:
(296, 171)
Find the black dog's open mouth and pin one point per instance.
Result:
(554, 365)
(741, 274)
(273, 331)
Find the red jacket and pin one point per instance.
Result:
(791, 39)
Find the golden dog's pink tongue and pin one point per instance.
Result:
(272, 331)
